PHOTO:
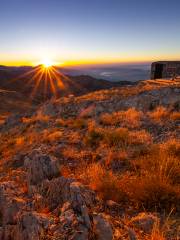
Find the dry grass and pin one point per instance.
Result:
(104, 182)
(167, 229)
(154, 185)
(36, 118)
(94, 135)
(159, 115)
(130, 118)
(162, 161)
(54, 136)
(20, 141)
(140, 137)
(151, 193)
(175, 116)
(157, 181)
(117, 137)
(79, 123)
(114, 157)
(172, 147)
(157, 233)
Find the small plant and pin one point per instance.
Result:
(93, 137)
(20, 141)
(175, 116)
(151, 193)
(114, 157)
(118, 137)
(130, 118)
(172, 147)
(140, 137)
(104, 182)
(54, 136)
(79, 123)
(159, 115)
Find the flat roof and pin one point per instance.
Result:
(175, 62)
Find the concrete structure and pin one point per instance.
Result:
(165, 69)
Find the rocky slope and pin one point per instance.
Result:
(23, 88)
(104, 166)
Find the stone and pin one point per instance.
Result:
(132, 234)
(31, 225)
(48, 109)
(145, 221)
(39, 167)
(60, 190)
(10, 204)
(102, 228)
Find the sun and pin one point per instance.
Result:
(47, 63)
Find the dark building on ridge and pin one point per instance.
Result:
(165, 69)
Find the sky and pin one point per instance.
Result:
(71, 32)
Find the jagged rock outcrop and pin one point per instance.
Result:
(30, 226)
(10, 203)
(39, 167)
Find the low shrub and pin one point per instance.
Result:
(130, 118)
(151, 193)
(159, 115)
(175, 116)
(104, 182)
(118, 137)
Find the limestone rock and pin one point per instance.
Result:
(39, 167)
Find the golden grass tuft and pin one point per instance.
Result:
(130, 118)
(54, 136)
(20, 141)
(159, 115)
(36, 118)
(94, 135)
(175, 116)
(104, 182)
(118, 137)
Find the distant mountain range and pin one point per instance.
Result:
(115, 73)
(130, 72)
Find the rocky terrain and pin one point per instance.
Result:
(100, 166)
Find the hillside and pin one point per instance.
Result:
(22, 88)
(100, 166)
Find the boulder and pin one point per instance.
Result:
(39, 167)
